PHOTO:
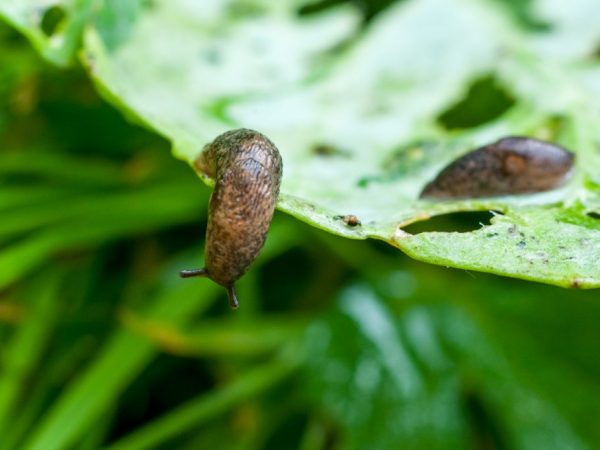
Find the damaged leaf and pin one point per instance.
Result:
(355, 111)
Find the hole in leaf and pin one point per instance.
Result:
(369, 8)
(521, 10)
(594, 215)
(318, 6)
(486, 100)
(51, 19)
(456, 222)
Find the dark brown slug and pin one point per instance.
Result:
(513, 165)
(247, 169)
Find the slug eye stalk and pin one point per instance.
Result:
(193, 273)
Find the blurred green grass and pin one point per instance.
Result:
(338, 344)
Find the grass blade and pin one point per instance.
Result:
(205, 407)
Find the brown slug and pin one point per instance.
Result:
(247, 169)
(513, 165)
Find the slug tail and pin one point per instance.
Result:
(233, 301)
(193, 273)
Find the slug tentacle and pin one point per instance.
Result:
(193, 273)
(247, 168)
(233, 301)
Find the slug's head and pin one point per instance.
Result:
(235, 145)
(543, 163)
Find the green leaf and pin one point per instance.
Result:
(53, 27)
(125, 354)
(359, 113)
(428, 374)
(22, 353)
(90, 219)
(538, 245)
(366, 376)
(174, 307)
(196, 411)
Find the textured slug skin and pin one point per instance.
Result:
(513, 165)
(247, 168)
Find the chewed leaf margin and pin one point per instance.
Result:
(376, 177)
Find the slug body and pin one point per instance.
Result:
(513, 165)
(247, 169)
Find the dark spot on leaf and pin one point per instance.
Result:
(457, 222)
(52, 19)
(485, 101)
(593, 215)
(350, 219)
(576, 283)
(329, 150)
(521, 244)
(324, 149)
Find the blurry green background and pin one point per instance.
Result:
(338, 344)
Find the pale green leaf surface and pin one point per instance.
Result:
(193, 70)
